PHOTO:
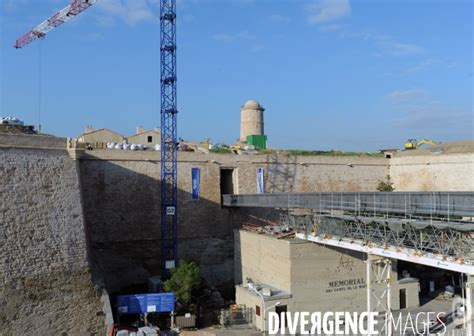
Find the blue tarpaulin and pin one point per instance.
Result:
(145, 303)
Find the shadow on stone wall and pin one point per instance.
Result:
(281, 172)
(45, 280)
(122, 216)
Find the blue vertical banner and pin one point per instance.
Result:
(196, 181)
(260, 180)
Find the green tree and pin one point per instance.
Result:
(184, 279)
(386, 185)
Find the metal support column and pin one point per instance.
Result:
(469, 310)
(379, 276)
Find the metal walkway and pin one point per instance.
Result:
(433, 229)
(406, 203)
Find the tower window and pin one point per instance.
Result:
(150, 139)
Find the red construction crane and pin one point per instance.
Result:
(64, 15)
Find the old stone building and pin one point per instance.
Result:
(148, 138)
(101, 135)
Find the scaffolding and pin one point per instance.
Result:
(452, 241)
(435, 229)
(432, 229)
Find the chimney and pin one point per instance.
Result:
(140, 129)
(157, 130)
(88, 129)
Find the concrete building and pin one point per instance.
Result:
(251, 120)
(101, 135)
(297, 276)
(148, 138)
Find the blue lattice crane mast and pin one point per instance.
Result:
(169, 149)
(169, 187)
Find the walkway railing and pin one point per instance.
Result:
(446, 204)
(435, 229)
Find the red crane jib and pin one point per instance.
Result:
(78, 6)
(75, 8)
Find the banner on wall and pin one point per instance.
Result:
(196, 180)
(260, 180)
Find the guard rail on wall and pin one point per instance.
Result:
(460, 204)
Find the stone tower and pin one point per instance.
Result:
(251, 120)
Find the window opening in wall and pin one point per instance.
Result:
(281, 309)
(227, 181)
(403, 298)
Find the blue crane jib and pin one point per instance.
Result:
(169, 187)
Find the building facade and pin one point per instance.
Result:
(148, 138)
(101, 135)
(293, 275)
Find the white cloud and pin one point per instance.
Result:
(330, 27)
(417, 111)
(279, 18)
(384, 43)
(324, 11)
(406, 96)
(424, 64)
(437, 119)
(224, 37)
(398, 48)
(430, 63)
(91, 37)
(13, 5)
(132, 12)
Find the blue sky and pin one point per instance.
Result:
(332, 74)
